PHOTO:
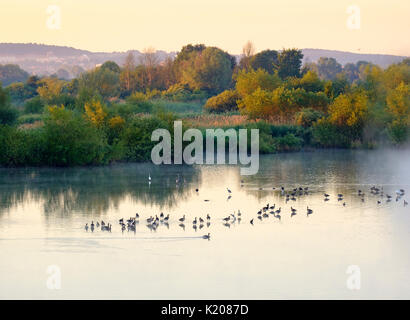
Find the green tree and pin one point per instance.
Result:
(328, 68)
(10, 73)
(112, 66)
(248, 82)
(266, 60)
(351, 72)
(102, 81)
(289, 63)
(34, 105)
(8, 114)
(309, 82)
(72, 140)
(210, 70)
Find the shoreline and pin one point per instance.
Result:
(119, 163)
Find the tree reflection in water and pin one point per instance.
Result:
(94, 190)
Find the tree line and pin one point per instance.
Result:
(106, 114)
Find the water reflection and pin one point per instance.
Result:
(95, 190)
(290, 253)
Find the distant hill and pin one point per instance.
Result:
(343, 57)
(43, 59)
(47, 59)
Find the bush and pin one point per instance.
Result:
(34, 105)
(136, 138)
(398, 132)
(288, 143)
(326, 134)
(223, 102)
(8, 115)
(182, 93)
(139, 103)
(21, 147)
(307, 117)
(71, 140)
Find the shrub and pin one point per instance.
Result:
(288, 143)
(398, 132)
(307, 117)
(8, 115)
(326, 134)
(223, 102)
(72, 140)
(182, 93)
(34, 105)
(136, 137)
(21, 147)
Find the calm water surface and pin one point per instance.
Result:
(43, 213)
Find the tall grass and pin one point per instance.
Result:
(190, 107)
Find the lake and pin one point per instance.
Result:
(43, 212)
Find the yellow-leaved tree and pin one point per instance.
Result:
(349, 110)
(95, 113)
(50, 88)
(398, 103)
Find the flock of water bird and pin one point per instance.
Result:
(266, 211)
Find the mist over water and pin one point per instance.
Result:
(43, 212)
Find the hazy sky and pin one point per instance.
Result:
(119, 25)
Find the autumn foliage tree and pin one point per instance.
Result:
(209, 69)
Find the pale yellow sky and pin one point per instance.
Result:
(119, 25)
